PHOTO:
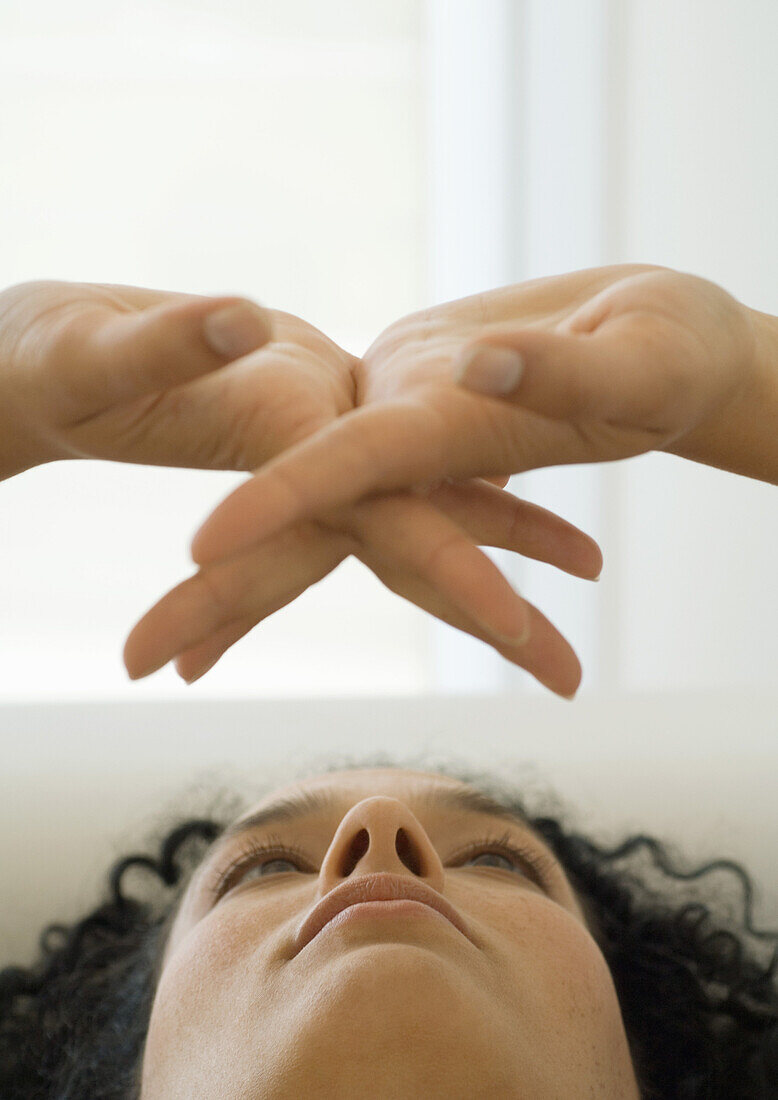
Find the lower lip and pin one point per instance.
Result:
(372, 910)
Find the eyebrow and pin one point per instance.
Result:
(297, 807)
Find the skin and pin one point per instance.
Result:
(618, 361)
(123, 373)
(398, 1007)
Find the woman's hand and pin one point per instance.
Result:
(422, 549)
(124, 373)
(617, 361)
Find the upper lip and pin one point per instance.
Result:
(377, 887)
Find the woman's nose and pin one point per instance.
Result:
(381, 834)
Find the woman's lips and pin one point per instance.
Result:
(377, 909)
(393, 892)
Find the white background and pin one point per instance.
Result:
(351, 163)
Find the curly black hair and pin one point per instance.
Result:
(700, 1011)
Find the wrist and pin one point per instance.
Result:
(766, 346)
(16, 455)
(742, 436)
(20, 450)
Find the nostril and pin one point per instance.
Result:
(406, 853)
(359, 846)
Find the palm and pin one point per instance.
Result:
(123, 373)
(631, 358)
(239, 417)
(408, 368)
(422, 549)
(249, 411)
(666, 317)
(624, 359)
(233, 418)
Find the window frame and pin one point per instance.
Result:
(492, 85)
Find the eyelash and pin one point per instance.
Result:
(525, 858)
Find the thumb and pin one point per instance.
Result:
(104, 358)
(603, 375)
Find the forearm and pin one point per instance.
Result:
(743, 437)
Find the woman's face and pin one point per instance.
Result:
(385, 1003)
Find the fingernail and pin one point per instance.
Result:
(236, 330)
(489, 370)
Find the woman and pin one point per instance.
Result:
(551, 974)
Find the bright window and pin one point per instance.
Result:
(264, 149)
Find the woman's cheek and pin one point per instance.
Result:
(548, 951)
(205, 970)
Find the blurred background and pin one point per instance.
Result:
(351, 162)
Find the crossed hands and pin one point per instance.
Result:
(385, 457)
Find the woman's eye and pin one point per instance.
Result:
(263, 869)
(511, 866)
(519, 861)
(254, 866)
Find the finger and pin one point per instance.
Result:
(438, 551)
(547, 655)
(492, 517)
(608, 374)
(264, 580)
(366, 450)
(381, 527)
(193, 663)
(103, 357)
(441, 553)
(422, 541)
